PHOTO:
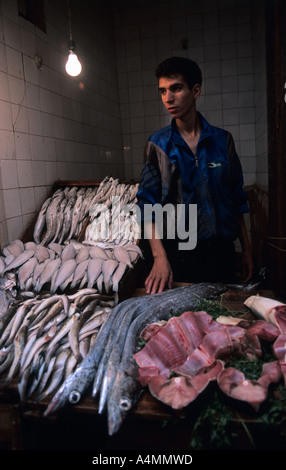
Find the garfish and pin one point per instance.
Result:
(159, 305)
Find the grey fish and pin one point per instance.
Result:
(25, 271)
(117, 275)
(19, 343)
(122, 255)
(151, 307)
(51, 217)
(93, 270)
(41, 221)
(79, 272)
(19, 260)
(108, 268)
(46, 275)
(63, 273)
(15, 248)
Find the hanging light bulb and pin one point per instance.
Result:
(73, 65)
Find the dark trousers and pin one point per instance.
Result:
(210, 261)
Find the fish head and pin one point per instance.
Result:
(122, 399)
(72, 390)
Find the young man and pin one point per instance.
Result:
(191, 162)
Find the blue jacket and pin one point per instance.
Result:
(213, 179)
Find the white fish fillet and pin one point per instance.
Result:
(122, 255)
(63, 273)
(94, 269)
(19, 260)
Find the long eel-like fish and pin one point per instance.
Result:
(121, 388)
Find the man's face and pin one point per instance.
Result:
(177, 97)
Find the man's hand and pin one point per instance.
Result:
(161, 276)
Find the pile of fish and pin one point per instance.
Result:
(74, 265)
(64, 215)
(110, 367)
(44, 338)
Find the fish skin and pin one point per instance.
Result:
(18, 318)
(41, 221)
(15, 248)
(150, 308)
(25, 271)
(2, 265)
(19, 260)
(51, 217)
(63, 273)
(108, 268)
(69, 252)
(46, 275)
(97, 252)
(94, 269)
(79, 272)
(19, 344)
(42, 253)
(117, 275)
(122, 255)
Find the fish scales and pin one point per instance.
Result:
(41, 221)
(93, 270)
(63, 273)
(152, 307)
(75, 385)
(19, 260)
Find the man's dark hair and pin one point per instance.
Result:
(180, 65)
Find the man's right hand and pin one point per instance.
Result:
(160, 277)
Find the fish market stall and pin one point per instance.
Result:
(82, 358)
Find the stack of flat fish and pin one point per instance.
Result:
(74, 265)
(113, 218)
(63, 215)
(44, 338)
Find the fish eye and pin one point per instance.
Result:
(125, 404)
(74, 397)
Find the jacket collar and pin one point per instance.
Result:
(205, 132)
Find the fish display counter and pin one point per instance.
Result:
(150, 423)
(88, 360)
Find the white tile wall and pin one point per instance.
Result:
(52, 126)
(220, 39)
